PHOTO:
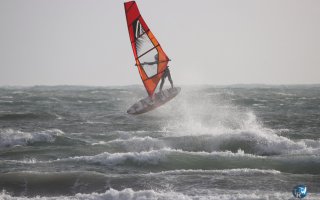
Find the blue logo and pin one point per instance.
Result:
(300, 191)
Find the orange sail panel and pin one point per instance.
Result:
(150, 58)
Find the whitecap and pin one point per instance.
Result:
(112, 194)
(152, 157)
(262, 140)
(11, 137)
(237, 171)
(130, 194)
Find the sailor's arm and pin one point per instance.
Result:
(147, 63)
(150, 63)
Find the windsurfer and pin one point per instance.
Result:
(166, 74)
(151, 61)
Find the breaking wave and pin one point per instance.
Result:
(135, 144)
(129, 194)
(152, 157)
(126, 194)
(263, 144)
(247, 134)
(244, 132)
(223, 171)
(12, 138)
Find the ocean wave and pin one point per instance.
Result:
(135, 144)
(92, 174)
(152, 157)
(96, 122)
(6, 97)
(238, 171)
(129, 194)
(112, 194)
(251, 142)
(284, 94)
(11, 138)
(176, 159)
(192, 184)
(246, 133)
(5, 102)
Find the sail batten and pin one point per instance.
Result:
(150, 58)
(148, 51)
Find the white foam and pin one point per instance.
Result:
(240, 171)
(136, 144)
(154, 157)
(5, 101)
(263, 140)
(134, 139)
(11, 137)
(151, 157)
(94, 122)
(126, 194)
(7, 97)
(284, 94)
(29, 161)
(99, 143)
(129, 194)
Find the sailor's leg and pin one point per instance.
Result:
(170, 79)
(162, 82)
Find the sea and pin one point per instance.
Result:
(236, 142)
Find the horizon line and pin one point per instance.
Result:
(187, 85)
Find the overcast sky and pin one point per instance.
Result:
(85, 42)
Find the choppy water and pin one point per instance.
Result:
(242, 142)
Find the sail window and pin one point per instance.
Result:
(143, 42)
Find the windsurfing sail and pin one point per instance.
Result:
(150, 58)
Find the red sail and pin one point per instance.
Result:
(150, 57)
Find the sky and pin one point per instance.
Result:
(218, 42)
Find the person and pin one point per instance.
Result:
(166, 74)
